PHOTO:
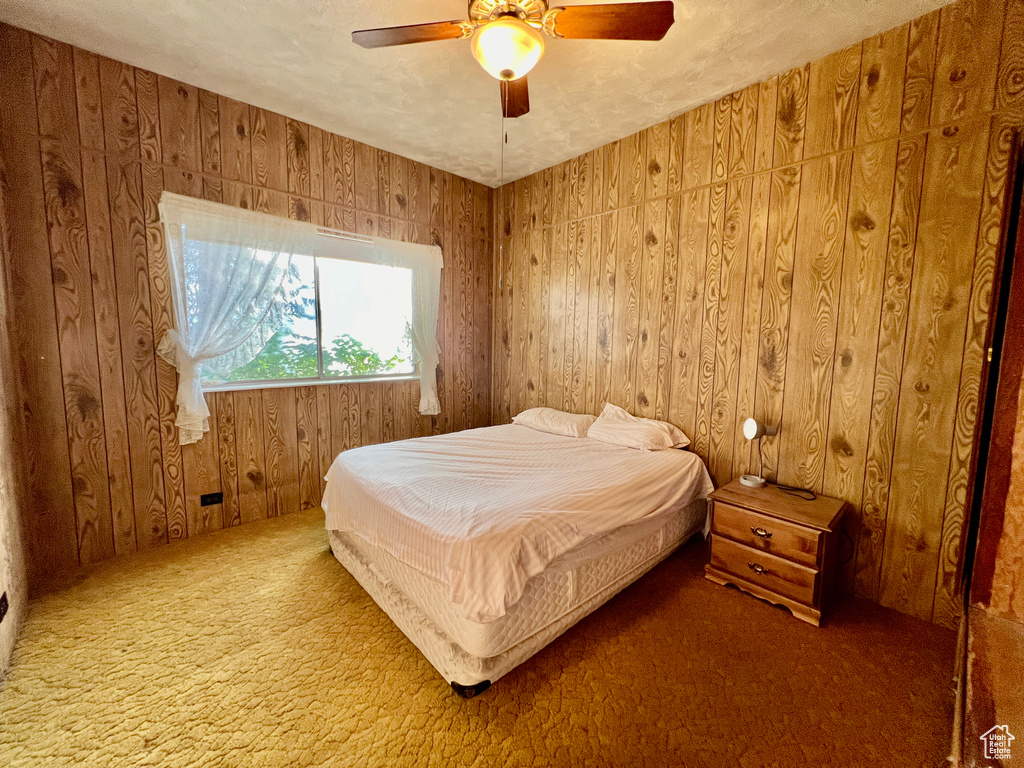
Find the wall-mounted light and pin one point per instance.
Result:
(507, 47)
(755, 430)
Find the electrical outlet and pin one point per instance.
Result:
(3, 606)
(211, 498)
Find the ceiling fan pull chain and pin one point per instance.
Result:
(501, 183)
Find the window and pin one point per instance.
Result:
(342, 319)
(260, 299)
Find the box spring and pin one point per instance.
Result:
(468, 652)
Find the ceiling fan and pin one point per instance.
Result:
(507, 40)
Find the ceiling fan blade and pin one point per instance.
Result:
(615, 21)
(414, 33)
(515, 97)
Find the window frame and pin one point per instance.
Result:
(320, 378)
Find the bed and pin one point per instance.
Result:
(485, 545)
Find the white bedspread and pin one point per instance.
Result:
(484, 510)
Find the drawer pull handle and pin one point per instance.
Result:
(759, 569)
(761, 533)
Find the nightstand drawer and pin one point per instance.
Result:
(767, 533)
(783, 577)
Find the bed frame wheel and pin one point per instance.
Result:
(469, 691)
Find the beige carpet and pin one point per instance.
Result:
(253, 646)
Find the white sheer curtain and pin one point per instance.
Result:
(229, 272)
(426, 263)
(228, 269)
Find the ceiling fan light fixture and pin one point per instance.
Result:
(507, 47)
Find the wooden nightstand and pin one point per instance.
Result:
(776, 546)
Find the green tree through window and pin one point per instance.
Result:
(285, 358)
(351, 293)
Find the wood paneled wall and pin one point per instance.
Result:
(89, 144)
(816, 250)
(13, 507)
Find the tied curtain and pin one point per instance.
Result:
(230, 270)
(425, 262)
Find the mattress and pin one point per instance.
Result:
(467, 652)
(484, 511)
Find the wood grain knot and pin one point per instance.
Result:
(533, 260)
(504, 339)
(840, 445)
(529, 385)
(400, 199)
(301, 212)
(60, 277)
(183, 91)
(957, 75)
(1014, 81)
(651, 238)
(643, 336)
(861, 221)
(846, 359)
(299, 142)
(255, 477)
(873, 76)
(602, 339)
(79, 485)
(508, 228)
(642, 399)
(653, 167)
(240, 130)
(950, 130)
(611, 281)
(922, 387)
(300, 433)
(788, 114)
(86, 403)
(67, 189)
(787, 281)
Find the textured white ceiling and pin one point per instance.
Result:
(431, 101)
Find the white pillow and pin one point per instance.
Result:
(618, 427)
(555, 422)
